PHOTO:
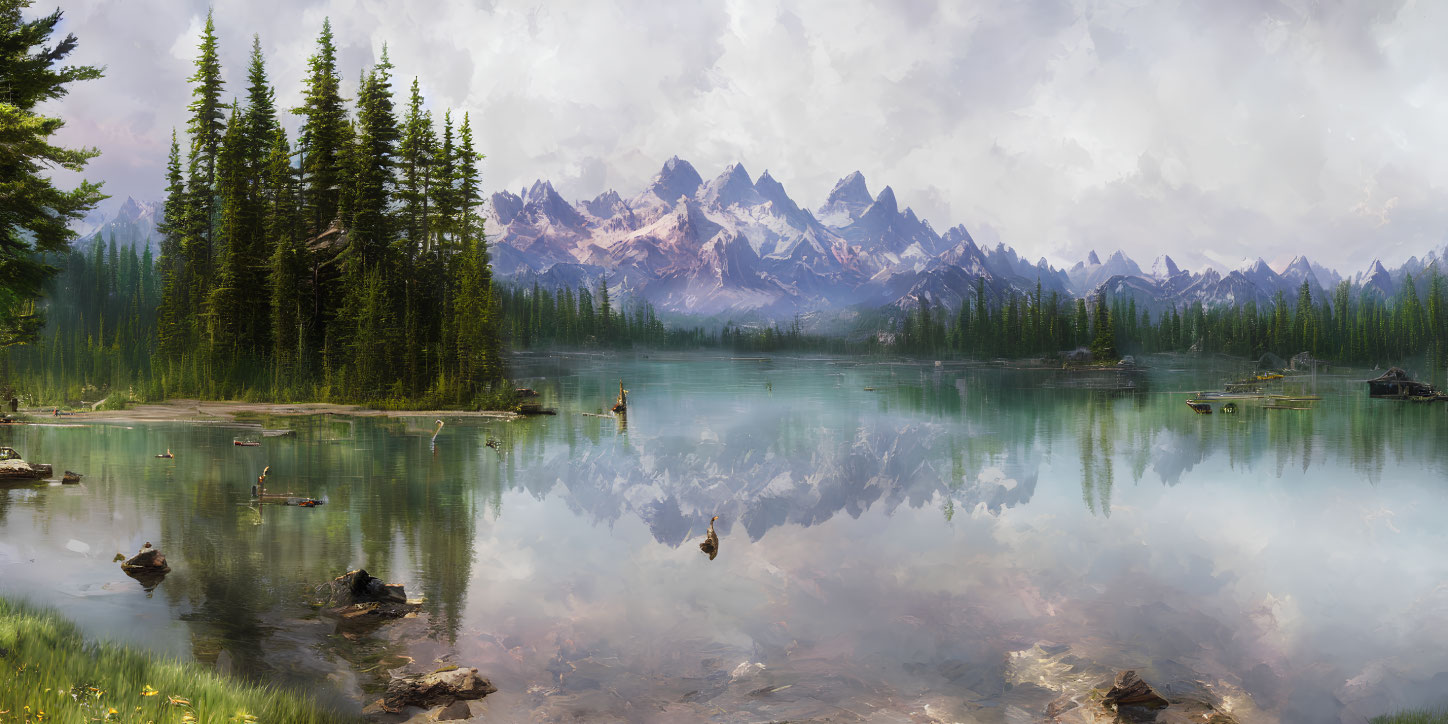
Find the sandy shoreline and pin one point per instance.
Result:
(183, 410)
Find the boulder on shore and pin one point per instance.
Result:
(439, 687)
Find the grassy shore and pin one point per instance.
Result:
(1426, 716)
(50, 673)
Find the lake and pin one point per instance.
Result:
(958, 543)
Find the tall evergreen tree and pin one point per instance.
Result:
(35, 214)
(323, 134)
(206, 125)
(174, 313)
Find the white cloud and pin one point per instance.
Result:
(1230, 130)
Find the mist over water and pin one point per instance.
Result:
(958, 543)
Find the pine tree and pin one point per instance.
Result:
(287, 262)
(1103, 346)
(35, 214)
(376, 146)
(205, 126)
(323, 134)
(468, 192)
(173, 312)
(417, 152)
(226, 298)
(261, 113)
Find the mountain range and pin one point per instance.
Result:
(741, 246)
(733, 244)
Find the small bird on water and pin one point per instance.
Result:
(711, 541)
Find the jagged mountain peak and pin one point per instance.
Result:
(541, 191)
(773, 192)
(1300, 270)
(886, 199)
(1092, 259)
(850, 189)
(958, 234)
(677, 178)
(731, 187)
(606, 205)
(506, 206)
(1164, 268)
(847, 201)
(1256, 266)
(129, 210)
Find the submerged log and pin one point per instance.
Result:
(439, 687)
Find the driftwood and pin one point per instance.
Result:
(439, 687)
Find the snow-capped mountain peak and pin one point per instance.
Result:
(730, 187)
(1164, 268)
(677, 178)
(847, 201)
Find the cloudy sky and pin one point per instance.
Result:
(1212, 131)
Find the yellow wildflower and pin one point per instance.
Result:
(148, 691)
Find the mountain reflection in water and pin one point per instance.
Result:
(896, 552)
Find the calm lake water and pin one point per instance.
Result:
(957, 544)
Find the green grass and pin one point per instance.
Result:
(1424, 716)
(50, 673)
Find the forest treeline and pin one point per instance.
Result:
(102, 322)
(1355, 326)
(348, 264)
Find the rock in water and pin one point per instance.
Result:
(361, 587)
(70, 477)
(456, 710)
(149, 559)
(441, 687)
(1130, 690)
(360, 600)
(148, 567)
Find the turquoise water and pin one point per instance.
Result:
(885, 554)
